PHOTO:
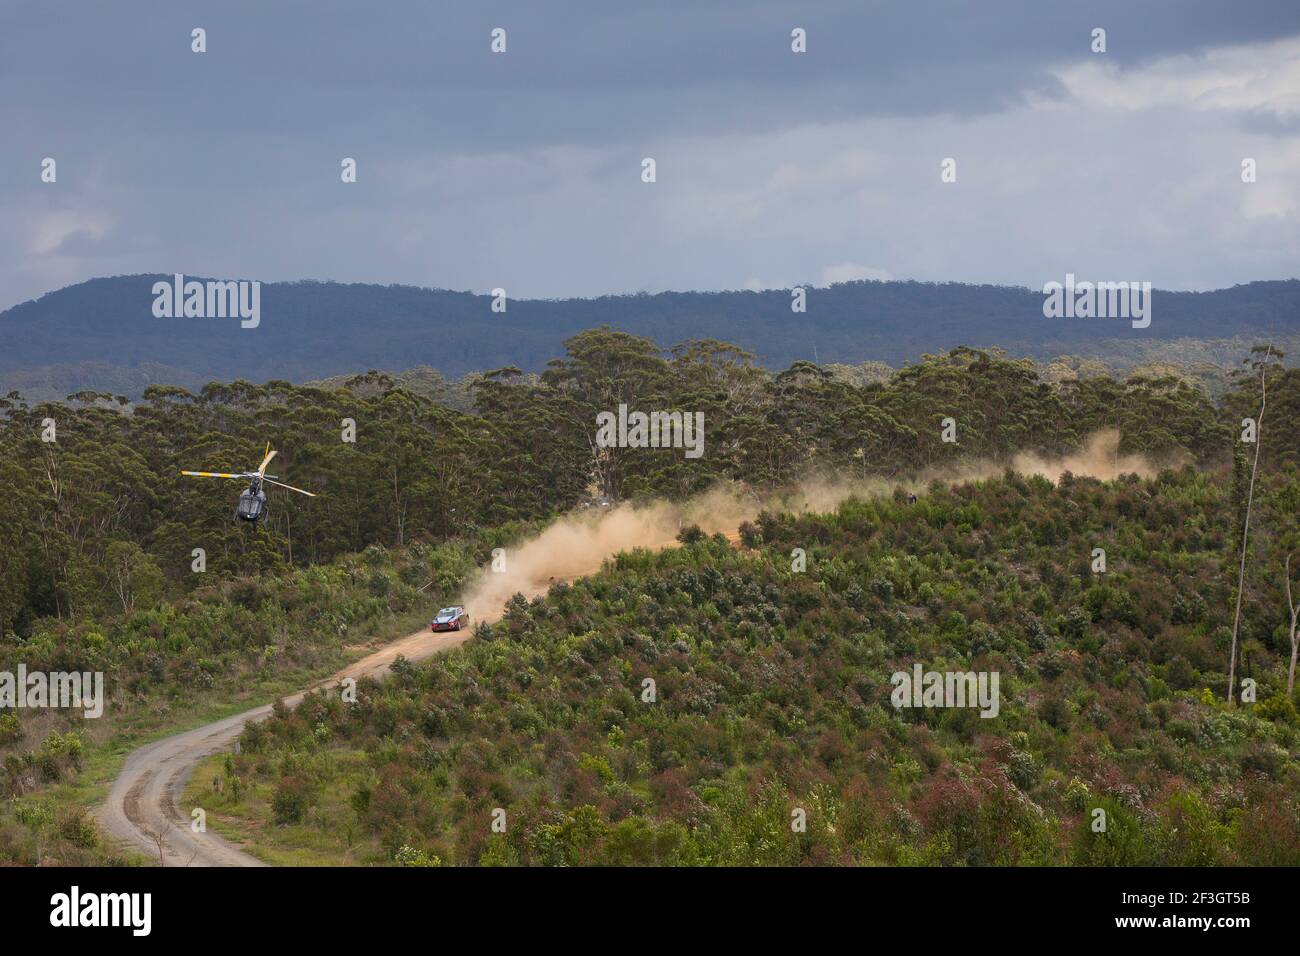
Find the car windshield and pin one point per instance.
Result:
(447, 612)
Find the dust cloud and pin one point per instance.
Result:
(578, 544)
(1098, 458)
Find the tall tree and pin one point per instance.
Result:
(1262, 365)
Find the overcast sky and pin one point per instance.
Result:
(523, 169)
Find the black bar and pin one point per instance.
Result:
(302, 905)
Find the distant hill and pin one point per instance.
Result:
(102, 334)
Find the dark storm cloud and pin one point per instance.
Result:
(228, 161)
(575, 71)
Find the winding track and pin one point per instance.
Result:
(145, 800)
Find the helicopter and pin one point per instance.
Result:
(252, 502)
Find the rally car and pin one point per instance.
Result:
(450, 619)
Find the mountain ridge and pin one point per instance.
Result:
(312, 329)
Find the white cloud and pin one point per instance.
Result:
(1274, 194)
(51, 230)
(1247, 78)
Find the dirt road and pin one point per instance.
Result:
(143, 808)
(144, 803)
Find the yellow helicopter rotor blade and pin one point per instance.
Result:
(267, 460)
(211, 474)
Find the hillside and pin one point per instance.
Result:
(102, 334)
(96, 573)
(772, 695)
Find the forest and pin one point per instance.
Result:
(771, 697)
(771, 682)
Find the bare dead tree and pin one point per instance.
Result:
(1295, 635)
(1245, 530)
(159, 838)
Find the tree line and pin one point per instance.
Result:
(98, 520)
